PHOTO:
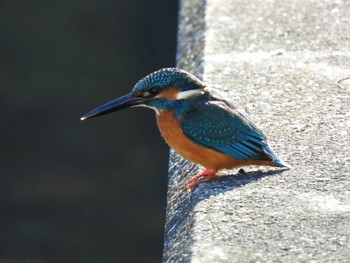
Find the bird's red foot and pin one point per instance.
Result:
(204, 176)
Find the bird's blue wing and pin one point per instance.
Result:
(225, 128)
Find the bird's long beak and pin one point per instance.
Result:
(121, 103)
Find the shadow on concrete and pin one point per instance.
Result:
(227, 183)
(181, 215)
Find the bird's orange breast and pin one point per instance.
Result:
(170, 129)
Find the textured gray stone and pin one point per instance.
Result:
(287, 63)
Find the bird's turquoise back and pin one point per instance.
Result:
(221, 126)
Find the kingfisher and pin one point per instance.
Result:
(199, 125)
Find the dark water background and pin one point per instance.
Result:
(72, 191)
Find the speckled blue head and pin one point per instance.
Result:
(149, 90)
(168, 77)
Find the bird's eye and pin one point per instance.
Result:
(151, 92)
(154, 90)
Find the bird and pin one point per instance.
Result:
(201, 126)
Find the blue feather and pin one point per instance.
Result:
(245, 149)
(231, 150)
(251, 145)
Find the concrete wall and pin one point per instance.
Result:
(287, 63)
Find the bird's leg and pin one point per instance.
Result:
(205, 176)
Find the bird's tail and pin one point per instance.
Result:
(280, 163)
(276, 160)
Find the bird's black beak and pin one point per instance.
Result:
(118, 104)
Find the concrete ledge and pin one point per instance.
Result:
(288, 64)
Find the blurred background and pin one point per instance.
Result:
(73, 191)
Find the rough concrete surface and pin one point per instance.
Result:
(287, 63)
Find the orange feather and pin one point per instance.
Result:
(169, 93)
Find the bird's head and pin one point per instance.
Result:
(158, 90)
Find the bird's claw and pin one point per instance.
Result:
(205, 176)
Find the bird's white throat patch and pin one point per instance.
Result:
(183, 95)
(157, 110)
